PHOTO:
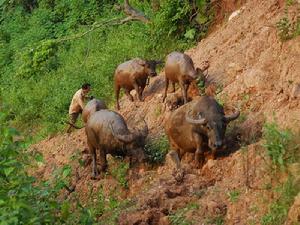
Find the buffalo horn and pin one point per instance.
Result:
(126, 138)
(232, 116)
(200, 121)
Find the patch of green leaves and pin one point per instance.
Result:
(278, 210)
(178, 218)
(120, 173)
(156, 149)
(233, 195)
(278, 144)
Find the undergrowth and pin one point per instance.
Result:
(288, 29)
(156, 149)
(278, 210)
(179, 218)
(44, 59)
(283, 150)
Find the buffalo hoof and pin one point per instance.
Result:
(94, 176)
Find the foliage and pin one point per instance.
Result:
(178, 218)
(286, 28)
(279, 209)
(120, 173)
(40, 73)
(233, 195)
(156, 149)
(278, 144)
(22, 201)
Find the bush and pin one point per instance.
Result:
(156, 149)
(22, 201)
(40, 72)
(278, 144)
(279, 209)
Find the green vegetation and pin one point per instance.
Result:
(22, 200)
(157, 149)
(218, 220)
(283, 151)
(233, 195)
(120, 173)
(25, 200)
(279, 146)
(289, 29)
(279, 209)
(47, 51)
(178, 218)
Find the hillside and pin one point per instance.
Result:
(254, 71)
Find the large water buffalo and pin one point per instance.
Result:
(179, 68)
(108, 133)
(133, 74)
(91, 107)
(196, 124)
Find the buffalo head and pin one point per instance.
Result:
(134, 142)
(150, 67)
(213, 127)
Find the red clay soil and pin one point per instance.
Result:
(260, 75)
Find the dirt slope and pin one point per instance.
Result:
(259, 74)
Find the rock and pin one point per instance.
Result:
(295, 91)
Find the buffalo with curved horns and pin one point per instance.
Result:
(108, 133)
(196, 124)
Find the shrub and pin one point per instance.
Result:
(279, 209)
(157, 149)
(278, 144)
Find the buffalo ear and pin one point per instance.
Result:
(232, 116)
(142, 62)
(158, 62)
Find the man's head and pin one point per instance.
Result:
(86, 87)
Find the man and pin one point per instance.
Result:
(77, 104)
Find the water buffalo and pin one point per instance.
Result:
(107, 131)
(196, 124)
(180, 69)
(91, 107)
(133, 74)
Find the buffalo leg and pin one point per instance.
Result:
(127, 92)
(94, 162)
(117, 93)
(166, 89)
(199, 154)
(173, 85)
(136, 88)
(214, 154)
(103, 161)
(141, 90)
(184, 91)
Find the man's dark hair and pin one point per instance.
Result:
(86, 86)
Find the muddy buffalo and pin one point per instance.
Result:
(91, 107)
(179, 68)
(133, 74)
(108, 133)
(197, 124)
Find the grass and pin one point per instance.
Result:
(120, 173)
(278, 210)
(178, 218)
(282, 148)
(233, 195)
(156, 149)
